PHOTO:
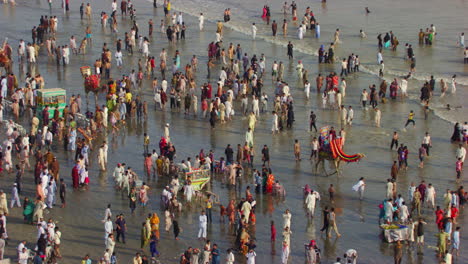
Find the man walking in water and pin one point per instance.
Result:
(297, 150)
(313, 119)
(274, 28)
(394, 140)
(360, 187)
(427, 142)
(290, 50)
(201, 20)
(254, 31)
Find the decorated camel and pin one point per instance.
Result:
(331, 149)
(92, 83)
(5, 58)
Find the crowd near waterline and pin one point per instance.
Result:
(188, 143)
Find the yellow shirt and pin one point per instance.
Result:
(128, 97)
(410, 116)
(209, 204)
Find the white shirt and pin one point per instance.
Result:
(114, 6)
(251, 257)
(426, 140)
(40, 231)
(430, 192)
(351, 252)
(230, 258)
(461, 153)
(364, 96)
(118, 55)
(20, 248)
(359, 186)
(107, 213)
(49, 136)
(163, 56)
(72, 43)
(254, 29)
(203, 220)
(23, 257)
(108, 227)
(315, 145)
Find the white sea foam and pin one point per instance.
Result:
(241, 22)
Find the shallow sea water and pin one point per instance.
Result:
(80, 222)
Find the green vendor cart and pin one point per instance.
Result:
(52, 97)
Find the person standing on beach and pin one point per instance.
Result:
(350, 116)
(461, 153)
(378, 115)
(326, 220)
(461, 40)
(274, 27)
(332, 219)
(394, 140)
(285, 28)
(254, 31)
(201, 21)
(454, 83)
(312, 121)
(62, 192)
(364, 98)
(203, 220)
(458, 168)
(290, 50)
(427, 142)
(310, 202)
(456, 241)
(297, 150)
(360, 187)
(88, 11)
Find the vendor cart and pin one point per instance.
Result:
(53, 98)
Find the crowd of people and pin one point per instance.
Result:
(239, 87)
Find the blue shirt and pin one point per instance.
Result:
(258, 179)
(215, 257)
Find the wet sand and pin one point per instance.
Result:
(80, 222)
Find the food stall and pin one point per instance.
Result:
(198, 177)
(52, 97)
(395, 232)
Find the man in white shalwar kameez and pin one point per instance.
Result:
(389, 189)
(101, 158)
(310, 203)
(126, 182)
(108, 229)
(287, 219)
(167, 133)
(246, 208)
(118, 171)
(189, 192)
(274, 123)
(14, 196)
(430, 196)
